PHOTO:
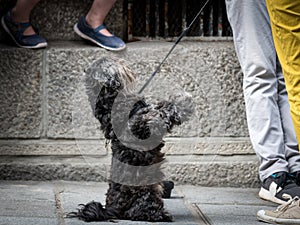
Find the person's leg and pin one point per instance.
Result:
(21, 13)
(16, 23)
(97, 14)
(291, 147)
(91, 27)
(285, 23)
(257, 56)
(270, 129)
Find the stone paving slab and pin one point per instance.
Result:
(27, 200)
(224, 214)
(27, 221)
(27, 203)
(72, 195)
(35, 203)
(230, 196)
(226, 206)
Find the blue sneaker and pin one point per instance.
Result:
(112, 43)
(15, 31)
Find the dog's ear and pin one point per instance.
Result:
(105, 72)
(112, 73)
(100, 74)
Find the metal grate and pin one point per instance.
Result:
(167, 18)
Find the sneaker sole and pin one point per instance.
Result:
(41, 45)
(261, 216)
(82, 35)
(266, 195)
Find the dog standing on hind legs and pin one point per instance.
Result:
(135, 129)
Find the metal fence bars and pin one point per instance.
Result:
(167, 18)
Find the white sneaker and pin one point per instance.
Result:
(287, 213)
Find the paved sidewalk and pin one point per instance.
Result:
(46, 203)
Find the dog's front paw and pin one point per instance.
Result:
(183, 102)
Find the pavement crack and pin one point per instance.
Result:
(202, 215)
(59, 207)
(195, 211)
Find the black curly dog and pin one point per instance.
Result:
(135, 129)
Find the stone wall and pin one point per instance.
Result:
(47, 129)
(43, 96)
(47, 120)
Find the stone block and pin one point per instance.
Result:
(69, 112)
(21, 93)
(208, 71)
(46, 168)
(53, 148)
(173, 146)
(208, 146)
(217, 171)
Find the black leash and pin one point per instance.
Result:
(177, 41)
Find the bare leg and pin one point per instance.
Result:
(90, 27)
(98, 12)
(21, 13)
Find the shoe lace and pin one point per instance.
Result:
(290, 202)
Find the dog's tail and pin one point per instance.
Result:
(93, 211)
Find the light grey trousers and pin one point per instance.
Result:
(268, 116)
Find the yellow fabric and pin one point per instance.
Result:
(285, 23)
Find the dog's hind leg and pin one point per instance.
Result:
(147, 205)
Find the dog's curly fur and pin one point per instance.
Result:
(134, 193)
